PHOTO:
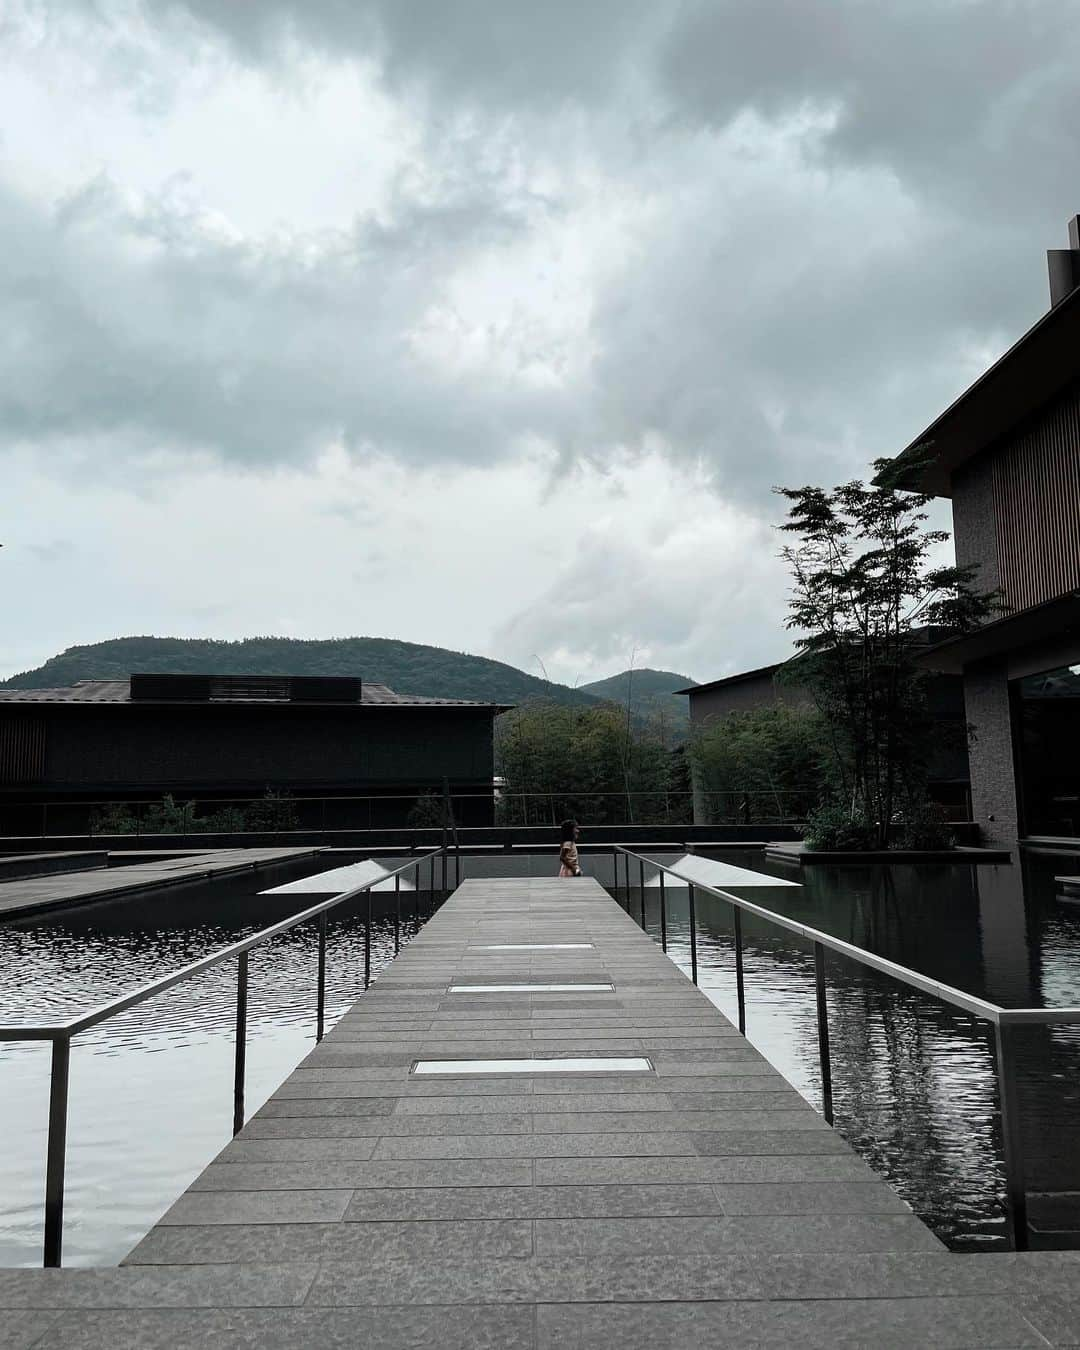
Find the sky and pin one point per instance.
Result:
(493, 326)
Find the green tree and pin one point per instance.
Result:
(864, 581)
(763, 763)
(592, 763)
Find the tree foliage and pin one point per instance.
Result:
(865, 588)
(763, 764)
(595, 764)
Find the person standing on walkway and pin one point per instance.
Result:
(569, 863)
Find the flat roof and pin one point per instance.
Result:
(118, 692)
(1022, 629)
(1031, 373)
(731, 679)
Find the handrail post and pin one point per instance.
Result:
(615, 871)
(367, 940)
(56, 1155)
(1011, 1138)
(693, 931)
(663, 913)
(320, 1008)
(739, 990)
(397, 912)
(241, 1042)
(641, 879)
(823, 1032)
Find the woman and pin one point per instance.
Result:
(569, 865)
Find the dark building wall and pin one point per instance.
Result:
(227, 747)
(1037, 496)
(1016, 508)
(975, 528)
(758, 691)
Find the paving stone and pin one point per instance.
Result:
(152, 1287)
(427, 1328)
(264, 1206)
(767, 1140)
(606, 1171)
(305, 1170)
(811, 1233)
(950, 1324)
(534, 1202)
(303, 1242)
(536, 1146)
(20, 1329)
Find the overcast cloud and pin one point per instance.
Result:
(492, 325)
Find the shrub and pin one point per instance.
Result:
(833, 829)
(922, 825)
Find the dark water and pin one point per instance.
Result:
(151, 1090)
(913, 1079)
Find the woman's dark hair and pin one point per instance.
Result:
(567, 829)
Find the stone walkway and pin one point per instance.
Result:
(699, 1203)
(34, 895)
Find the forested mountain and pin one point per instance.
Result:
(649, 691)
(408, 667)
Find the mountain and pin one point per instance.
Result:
(650, 692)
(407, 667)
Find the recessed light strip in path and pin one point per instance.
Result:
(531, 988)
(627, 1064)
(534, 947)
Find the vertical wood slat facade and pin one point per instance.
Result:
(22, 749)
(1037, 501)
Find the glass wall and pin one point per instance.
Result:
(1048, 729)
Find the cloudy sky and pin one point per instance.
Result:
(492, 325)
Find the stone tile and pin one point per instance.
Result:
(536, 1146)
(271, 1206)
(312, 1127)
(1055, 1316)
(151, 1287)
(608, 1171)
(950, 1324)
(465, 1123)
(426, 1328)
(588, 1279)
(534, 1202)
(305, 1171)
(812, 1233)
(810, 1197)
(20, 1329)
(556, 1122)
(766, 1140)
(304, 1242)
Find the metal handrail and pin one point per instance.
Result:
(61, 1033)
(1002, 1019)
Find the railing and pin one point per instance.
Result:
(1003, 1020)
(419, 810)
(62, 1033)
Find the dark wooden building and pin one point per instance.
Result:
(1007, 453)
(349, 753)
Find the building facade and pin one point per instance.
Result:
(754, 689)
(65, 752)
(1007, 454)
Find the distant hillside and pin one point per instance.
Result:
(407, 667)
(650, 693)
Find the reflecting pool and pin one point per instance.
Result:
(151, 1089)
(913, 1079)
